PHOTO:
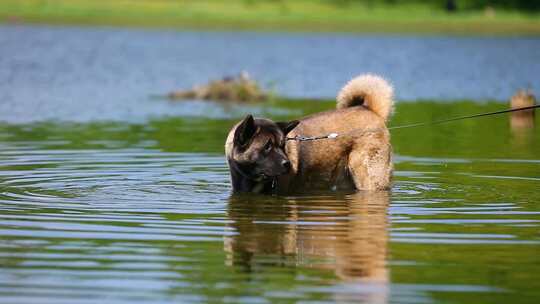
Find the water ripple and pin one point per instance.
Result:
(140, 225)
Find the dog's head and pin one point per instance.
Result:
(258, 147)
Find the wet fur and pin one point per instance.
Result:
(255, 154)
(361, 160)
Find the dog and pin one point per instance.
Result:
(271, 157)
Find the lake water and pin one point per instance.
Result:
(85, 74)
(108, 195)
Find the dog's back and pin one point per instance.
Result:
(360, 157)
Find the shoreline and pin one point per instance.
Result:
(299, 17)
(418, 29)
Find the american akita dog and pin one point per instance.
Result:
(266, 156)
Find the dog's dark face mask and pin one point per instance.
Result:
(259, 148)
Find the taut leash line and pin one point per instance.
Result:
(308, 138)
(436, 122)
(419, 124)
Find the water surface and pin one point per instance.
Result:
(110, 195)
(88, 74)
(123, 212)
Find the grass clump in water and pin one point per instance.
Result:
(241, 88)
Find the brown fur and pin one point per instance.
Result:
(360, 158)
(371, 91)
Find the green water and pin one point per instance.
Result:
(111, 212)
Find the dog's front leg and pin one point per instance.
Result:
(241, 183)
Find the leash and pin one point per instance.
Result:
(419, 124)
(307, 138)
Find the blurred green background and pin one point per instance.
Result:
(387, 16)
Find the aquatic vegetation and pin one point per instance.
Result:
(240, 88)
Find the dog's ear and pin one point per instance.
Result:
(287, 126)
(245, 131)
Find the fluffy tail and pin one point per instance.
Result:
(368, 90)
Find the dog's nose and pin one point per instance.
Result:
(286, 164)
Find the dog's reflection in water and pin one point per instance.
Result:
(345, 234)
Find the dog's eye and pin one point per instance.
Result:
(268, 146)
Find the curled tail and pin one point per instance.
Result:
(371, 91)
